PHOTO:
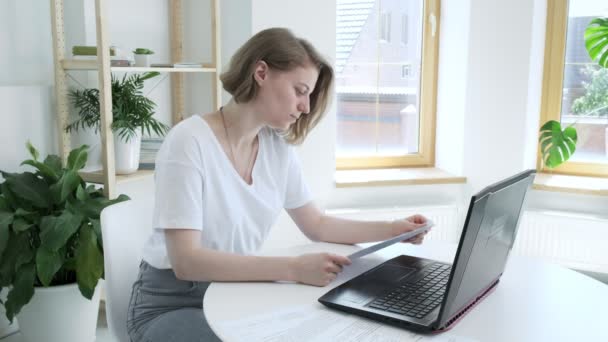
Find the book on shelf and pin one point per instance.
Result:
(149, 149)
(86, 50)
(176, 65)
(114, 61)
(146, 166)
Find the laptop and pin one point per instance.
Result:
(431, 296)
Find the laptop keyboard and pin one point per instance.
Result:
(418, 298)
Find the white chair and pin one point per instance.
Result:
(125, 227)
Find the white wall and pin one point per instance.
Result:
(26, 78)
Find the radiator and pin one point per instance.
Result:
(572, 240)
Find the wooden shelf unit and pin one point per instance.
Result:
(75, 64)
(107, 176)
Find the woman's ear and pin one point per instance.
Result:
(260, 73)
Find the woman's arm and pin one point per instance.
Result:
(320, 227)
(192, 262)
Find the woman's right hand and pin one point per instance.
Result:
(317, 269)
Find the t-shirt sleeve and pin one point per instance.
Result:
(297, 193)
(179, 184)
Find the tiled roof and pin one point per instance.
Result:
(351, 17)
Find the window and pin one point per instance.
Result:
(385, 90)
(404, 29)
(575, 88)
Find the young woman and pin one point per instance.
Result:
(222, 179)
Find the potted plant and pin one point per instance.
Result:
(51, 253)
(558, 145)
(132, 115)
(596, 42)
(142, 57)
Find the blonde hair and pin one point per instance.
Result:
(283, 51)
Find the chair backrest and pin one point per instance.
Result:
(125, 227)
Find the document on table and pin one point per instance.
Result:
(317, 323)
(383, 244)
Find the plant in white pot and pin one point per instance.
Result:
(132, 115)
(142, 57)
(51, 252)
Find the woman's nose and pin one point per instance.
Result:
(304, 106)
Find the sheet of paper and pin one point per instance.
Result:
(383, 244)
(317, 323)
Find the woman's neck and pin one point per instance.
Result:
(243, 123)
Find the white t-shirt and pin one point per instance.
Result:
(198, 188)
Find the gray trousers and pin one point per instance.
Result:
(164, 308)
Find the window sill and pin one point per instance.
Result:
(388, 177)
(571, 184)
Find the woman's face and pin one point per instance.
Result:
(285, 95)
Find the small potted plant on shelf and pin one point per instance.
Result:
(132, 115)
(51, 253)
(142, 57)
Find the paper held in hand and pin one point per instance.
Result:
(399, 238)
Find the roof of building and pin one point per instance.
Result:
(351, 17)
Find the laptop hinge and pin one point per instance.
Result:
(460, 314)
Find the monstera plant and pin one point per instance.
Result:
(49, 228)
(557, 144)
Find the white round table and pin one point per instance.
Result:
(534, 301)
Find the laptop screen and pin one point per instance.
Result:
(486, 241)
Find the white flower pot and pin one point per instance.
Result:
(142, 60)
(59, 314)
(126, 154)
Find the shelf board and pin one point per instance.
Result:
(97, 176)
(75, 64)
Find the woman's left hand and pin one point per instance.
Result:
(408, 224)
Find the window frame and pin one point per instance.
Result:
(552, 88)
(428, 104)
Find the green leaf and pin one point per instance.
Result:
(7, 262)
(25, 253)
(77, 158)
(55, 231)
(18, 252)
(47, 264)
(22, 291)
(81, 193)
(30, 188)
(97, 229)
(10, 199)
(20, 225)
(33, 152)
(89, 262)
(596, 41)
(32, 216)
(556, 145)
(65, 186)
(92, 207)
(4, 204)
(5, 220)
(54, 163)
(47, 172)
(149, 75)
